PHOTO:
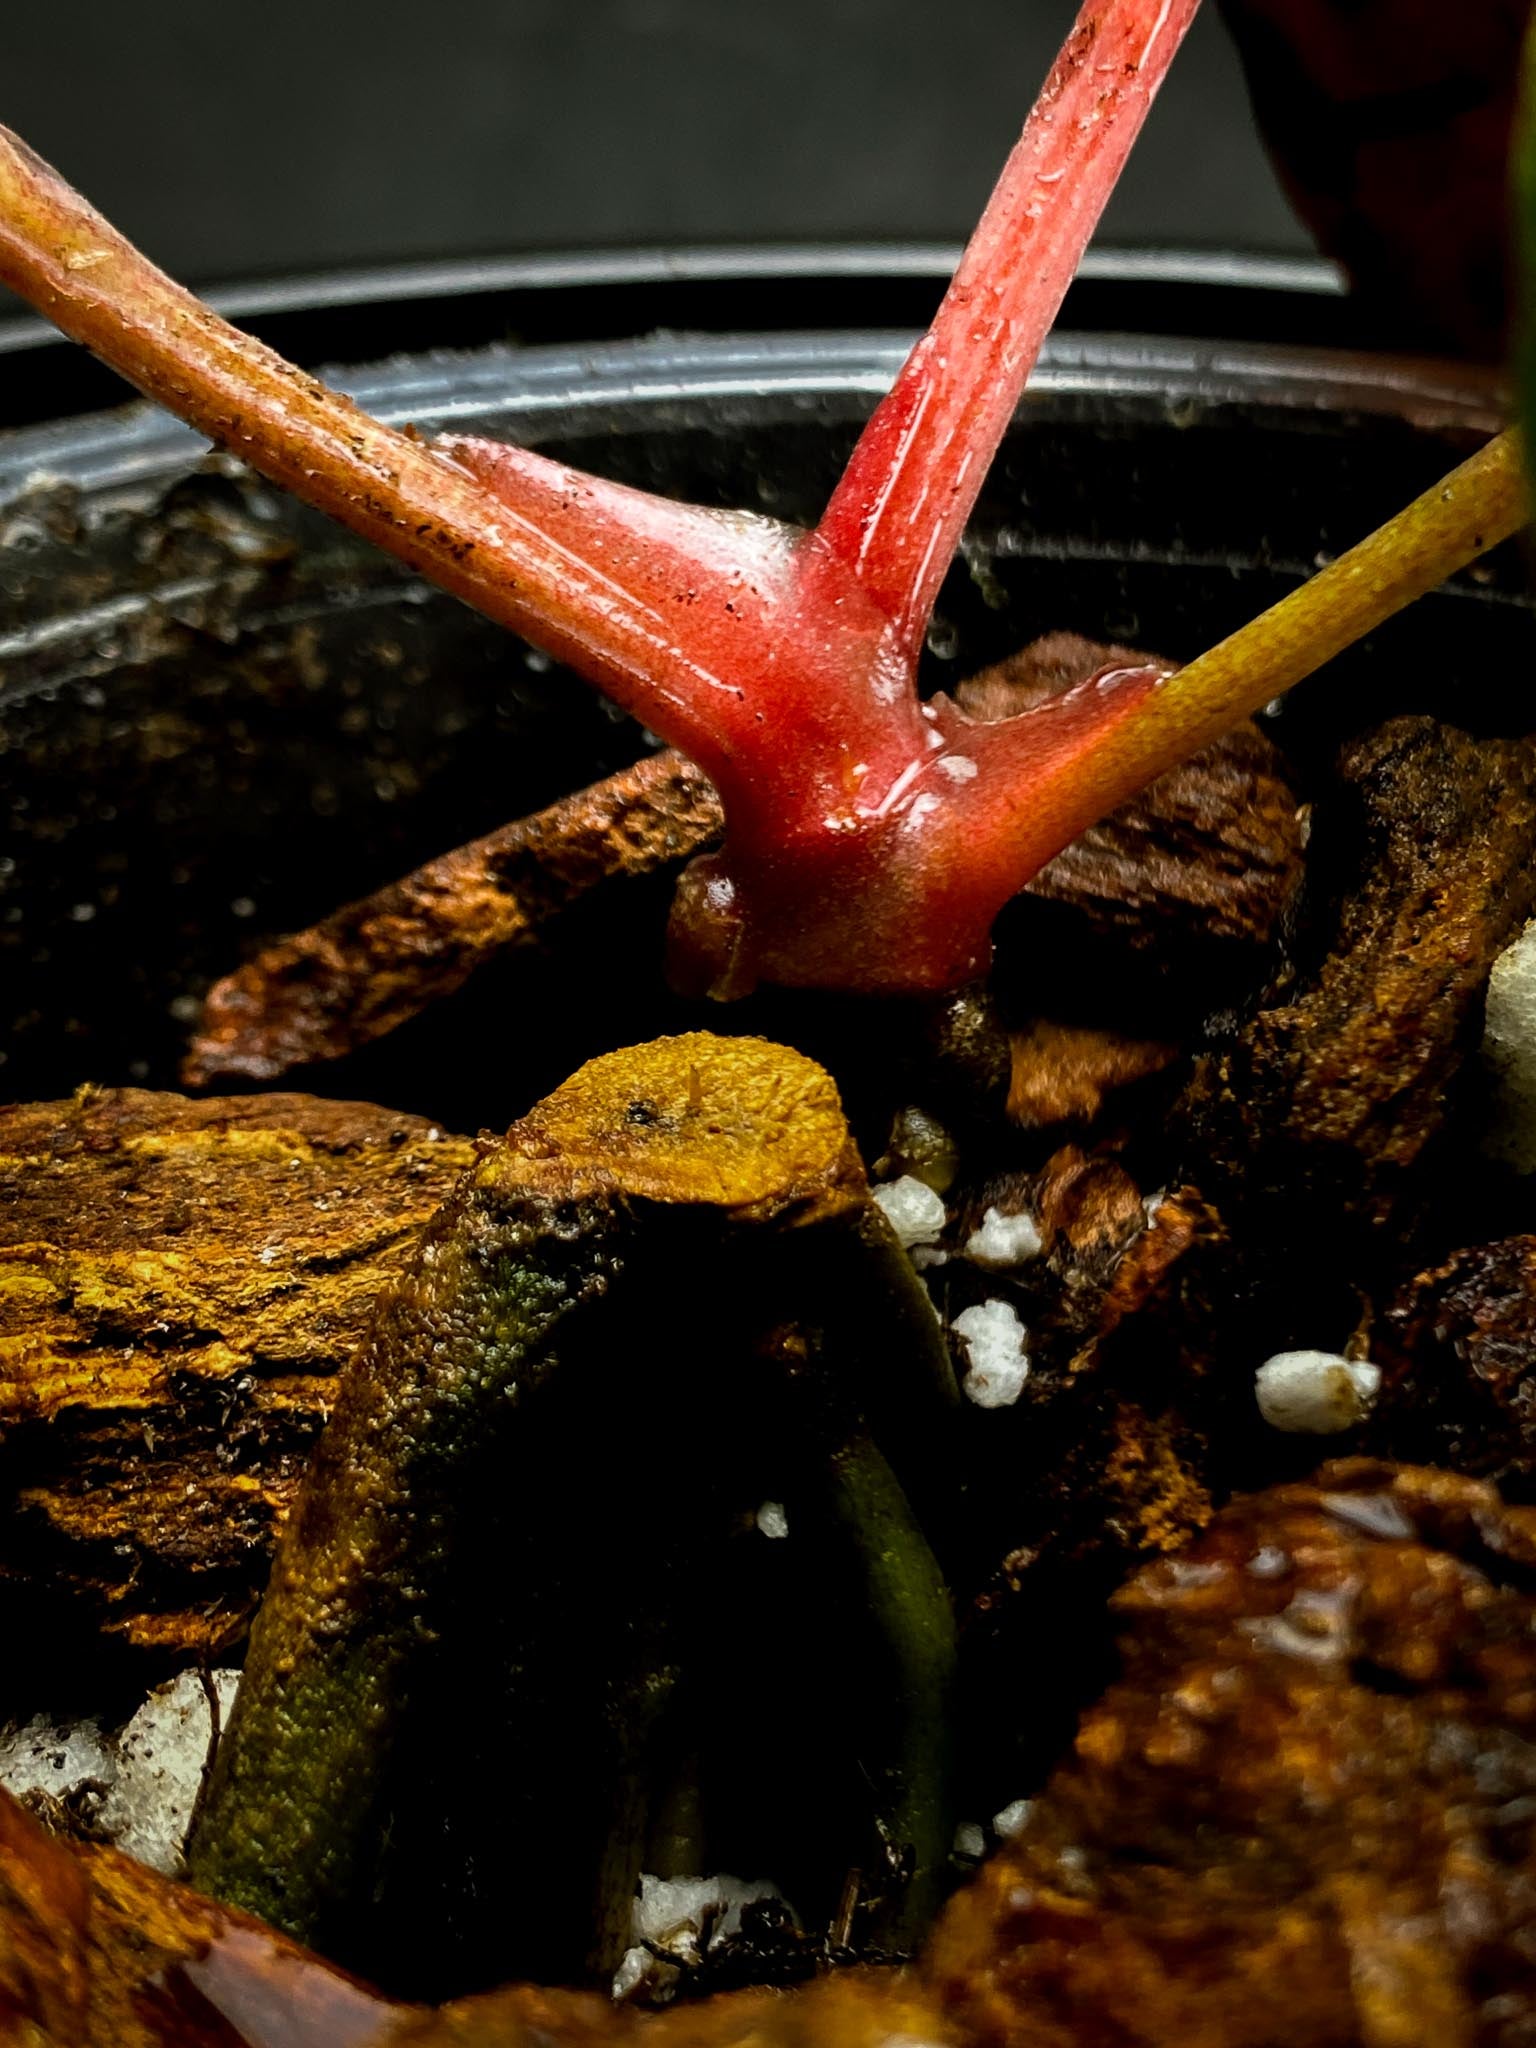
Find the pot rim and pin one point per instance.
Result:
(561, 297)
(546, 389)
(711, 263)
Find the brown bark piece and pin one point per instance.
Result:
(1134, 1472)
(1064, 1073)
(1307, 1811)
(180, 1282)
(98, 1952)
(1102, 1462)
(1090, 1212)
(375, 963)
(1091, 1217)
(1207, 856)
(1457, 1348)
(1332, 1099)
(1177, 1222)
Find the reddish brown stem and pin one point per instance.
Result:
(605, 578)
(783, 663)
(898, 513)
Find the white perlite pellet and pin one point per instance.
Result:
(1012, 1821)
(637, 1965)
(673, 1912)
(161, 1754)
(58, 1759)
(139, 1781)
(1315, 1393)
(1004, 1241)
(913, 1210)
(1509, 1050)
(772, 1520)
(971, 1841)
(994, 1341)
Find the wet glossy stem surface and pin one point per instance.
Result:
(782, 663)
(897, 515)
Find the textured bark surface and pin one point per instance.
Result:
(1206, 858)
(1333, 1097)
(375, 963)
(1065, 1073)
(180, 1283)
(1457, 1348)
(1304, 1813)
(1308, 1146)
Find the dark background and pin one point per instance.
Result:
(237, 141)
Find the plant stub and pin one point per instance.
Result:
(1335, 1683)
(497, 1411)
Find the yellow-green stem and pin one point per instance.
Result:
(1479, 504)
(1461, 517)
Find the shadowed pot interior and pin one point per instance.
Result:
(221, 716)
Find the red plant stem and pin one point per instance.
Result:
(897, 515)
(601, 576)
(702, 624)
(774, 674)
(862, 838)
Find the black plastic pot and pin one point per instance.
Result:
(220, 716)
(606, 295)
